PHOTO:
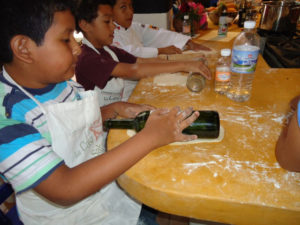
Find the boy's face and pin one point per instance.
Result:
(123, 13)
(56, 57)
(101, 30)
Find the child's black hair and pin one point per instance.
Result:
(87, 10)
(113, 2)
(31, 18)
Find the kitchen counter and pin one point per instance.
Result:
(235, 181)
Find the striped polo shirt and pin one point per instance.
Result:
(26, 155)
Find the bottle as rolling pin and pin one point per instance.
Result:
(207, 125)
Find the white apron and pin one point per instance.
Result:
(116, 89)
(76, 133)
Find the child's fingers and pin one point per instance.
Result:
(177, 50)
(205, 72)
(183, 114)
(186, 122)
(294, 102)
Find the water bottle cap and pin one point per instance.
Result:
(186, 17)
(225, 52)
(249, 24)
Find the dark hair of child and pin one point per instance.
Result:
(87, 10)
(32, 22)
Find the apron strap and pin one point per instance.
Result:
(112, 54)
(8, 77)
(107, 49)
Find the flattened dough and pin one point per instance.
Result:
(212, 52)
(131, 133)
(170, 79)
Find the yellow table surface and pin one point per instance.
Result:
(236, 181)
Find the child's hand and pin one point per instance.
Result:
(198, 67)
(130, 110)
(165, 126)
(169, 50)
(294, 102)
(190, 45)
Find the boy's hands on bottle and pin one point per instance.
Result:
(165, 126)
(198, 67)
(169, 50)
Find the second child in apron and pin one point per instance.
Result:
(117, 89)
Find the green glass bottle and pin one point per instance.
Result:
(207, 125)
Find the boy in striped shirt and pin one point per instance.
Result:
(51, 137)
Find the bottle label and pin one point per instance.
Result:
(186, 29)
(244, 61)
(222, 76)
(222, 29)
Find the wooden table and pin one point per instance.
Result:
(236, 181)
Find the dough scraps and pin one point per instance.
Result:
(131, 133)
(170, 79)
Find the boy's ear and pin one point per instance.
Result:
(84, 26)
(21, 47)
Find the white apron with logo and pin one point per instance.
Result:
(116, 89)
(76, 133)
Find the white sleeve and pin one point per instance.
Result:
(159, 37)
(143, 52)
(131, 43)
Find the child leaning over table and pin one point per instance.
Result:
(110, 70)
(288, 144)
(143, 40)
(51, 138)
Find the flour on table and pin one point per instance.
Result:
(170, 79)
(131, 133)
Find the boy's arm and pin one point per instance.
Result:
(140, 70)
(67, 186)
(288, 145)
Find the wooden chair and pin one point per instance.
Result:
(11, 217)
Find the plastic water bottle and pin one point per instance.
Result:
(243, 63)
(186, 25)
(223, 28)
(223, 72)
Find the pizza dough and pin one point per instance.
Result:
(170, 79)
(131, 133)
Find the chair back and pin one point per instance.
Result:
(11, 216)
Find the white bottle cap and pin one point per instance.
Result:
(186, 17)
(225, 52)
(249, 24)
